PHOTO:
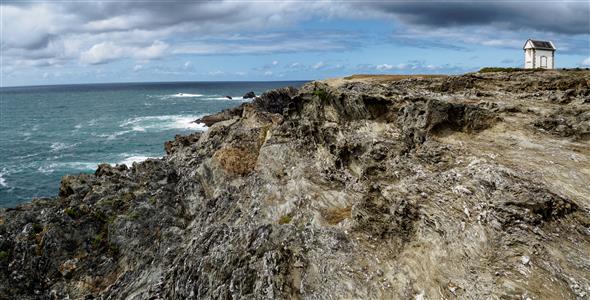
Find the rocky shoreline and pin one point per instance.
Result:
(460, 187)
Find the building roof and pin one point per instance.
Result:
(542, 45)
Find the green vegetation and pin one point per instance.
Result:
(128, 197)
(286, 219)
(322, 94)
(4, 255)
(37, 228)
(498, 69)
(71, 212)
(99, 238)
(134, 215)
(100, 216)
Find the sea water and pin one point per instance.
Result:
(50, 131)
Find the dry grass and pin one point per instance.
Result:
(376, 77)
(335, 215)
(236, 160)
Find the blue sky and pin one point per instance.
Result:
(63, 42)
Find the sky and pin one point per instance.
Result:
(81, 41)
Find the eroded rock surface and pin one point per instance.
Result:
(467, 187)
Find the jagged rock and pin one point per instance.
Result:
(224, 115)
(468, 187)
(249, 95)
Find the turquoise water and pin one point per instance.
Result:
(49, 131)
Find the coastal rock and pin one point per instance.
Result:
(249, 95)
(367, 187)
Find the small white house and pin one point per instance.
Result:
(539, 54)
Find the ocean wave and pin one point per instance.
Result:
(2, 179)
(58, 146)
(217, 97)
(129, 160)
(75, 165)
(177, 95)
(112, 136)
(162, 123)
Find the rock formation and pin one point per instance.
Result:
(463, 187)
(249, 95)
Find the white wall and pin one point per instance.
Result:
(530, 61)
(538, 59)
(528, 58)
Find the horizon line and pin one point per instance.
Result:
(150, 82)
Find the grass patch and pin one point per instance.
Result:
(134, 215)
(4, 255)
(285, 219)
(385, 78)
(498, 69)
(128, 197)
(322, 94)
(71, 212)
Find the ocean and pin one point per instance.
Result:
(49, 131)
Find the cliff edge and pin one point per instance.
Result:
(461, 187)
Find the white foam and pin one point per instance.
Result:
(75, 165)
(185, 95)
(58, 146)
(161, 123)
(234, 98)
(134, 159)
(113, 136)
(2, 180)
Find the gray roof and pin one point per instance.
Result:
(543, 45)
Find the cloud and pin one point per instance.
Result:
(275, 62)
(102, 53)
(586, 62)
(216, 73)
(108, 51)
(276, 42)
(550, 16)
(319, 65)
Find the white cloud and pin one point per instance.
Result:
(137, 68)
(102, 53)
(187, 65)
(586, 62)
(268, 73)
(108, 51)
(275, 62)
(319, 65)
(384, 67)
(156, 50)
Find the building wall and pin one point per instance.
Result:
(533, 58)
(538, 58)
(528, 58)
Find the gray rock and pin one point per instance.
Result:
(347, 188)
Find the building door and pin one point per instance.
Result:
(544, 62)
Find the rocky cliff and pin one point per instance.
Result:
(463, 187)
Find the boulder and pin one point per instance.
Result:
(249, 95)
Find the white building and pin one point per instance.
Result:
(539, 54)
